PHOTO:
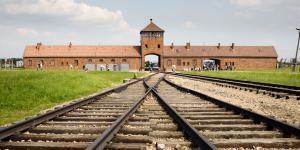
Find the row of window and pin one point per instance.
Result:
(152, 34)
(229, 63)
(76, 62)
(146, 46)
(178, 62)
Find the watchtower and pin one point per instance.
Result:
(152, 43)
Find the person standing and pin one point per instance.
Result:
(41, 66)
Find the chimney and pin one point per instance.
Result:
(38, 45)
(172, 45)
(232, 46)
(188, 46)
(219, 45)
(70, 45)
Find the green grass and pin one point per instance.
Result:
(281, 76)
(26, 92)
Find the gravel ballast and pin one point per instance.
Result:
(286, 110)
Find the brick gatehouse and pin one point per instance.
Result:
(132, 57)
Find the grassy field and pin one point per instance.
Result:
(282, 76)
(25, 93)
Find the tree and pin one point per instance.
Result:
(147, 64)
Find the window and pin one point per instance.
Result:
(169, 62)
(183, 63)
(146, 45)
(194, 62)
(232, 63)
(112, 60)
(158, 46)
(30, 62)
(178, 62)
(62, 63)
(52, 62)
(90, 60)
(124, 60)
(100, 60)
(76, 62)
(187, 63)
(67, 63)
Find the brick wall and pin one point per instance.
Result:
(239, 63)
(64, 63)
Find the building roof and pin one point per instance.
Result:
(152, 27)
(223, 51)
(134, 51)
(81, 51)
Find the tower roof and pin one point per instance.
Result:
(152, 27)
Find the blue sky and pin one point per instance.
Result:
(117, 22)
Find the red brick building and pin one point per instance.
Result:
(184, 57)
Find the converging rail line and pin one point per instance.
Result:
(74, 126)
(151, 114)
(273, 90)
(225, 125)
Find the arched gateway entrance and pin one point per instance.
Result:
(211, 64)
(152, 62)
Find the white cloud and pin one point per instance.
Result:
(255, 3)
(250, 8)
(73, 10)
(246, 3)
(28, 32)
(188, 24)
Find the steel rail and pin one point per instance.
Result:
(264, 86)
(109, 133)
(270, 122)
(33, 121)
(197, 139)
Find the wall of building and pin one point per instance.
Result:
(185, 63)
(250, 63)
(65, 63)
(238, 63)
(155, 45)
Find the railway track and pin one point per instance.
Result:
(77, 127)
(227, 126)
(150, 114)
(273, 90)
(150, 128)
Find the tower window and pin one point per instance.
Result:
(158, 46)
(146, 45)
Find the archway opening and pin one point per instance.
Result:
(152, 62)
(211, 64)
